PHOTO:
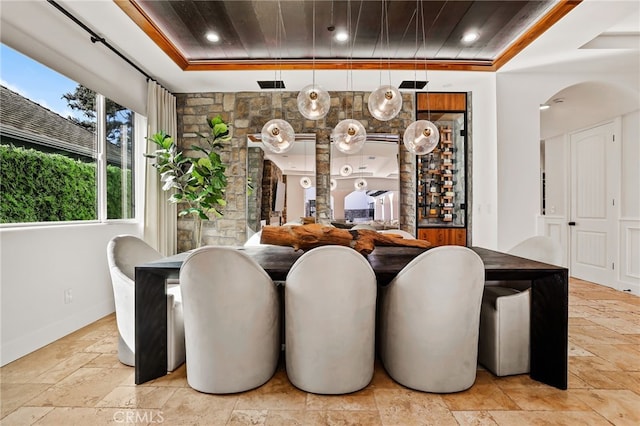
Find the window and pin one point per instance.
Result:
(66, 152)
(120, 154)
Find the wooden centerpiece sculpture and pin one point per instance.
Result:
(306, 237)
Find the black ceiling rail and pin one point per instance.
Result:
(95, 38)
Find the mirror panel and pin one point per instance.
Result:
(365, 186)
(283, 185)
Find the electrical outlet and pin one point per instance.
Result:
(68, 296)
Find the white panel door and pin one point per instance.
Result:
(594, 179)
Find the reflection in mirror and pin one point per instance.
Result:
(365, 186)
(283, 184)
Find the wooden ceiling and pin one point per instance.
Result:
(271, 34)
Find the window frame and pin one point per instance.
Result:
(139, 135)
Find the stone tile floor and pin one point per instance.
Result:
(78, 380)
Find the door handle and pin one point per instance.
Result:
(571, 224)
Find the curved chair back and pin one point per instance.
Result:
(330, 303)
(429, 320)
(539, 248)
(404, 234)
(363, 226)
(124, 252)
(231, 321)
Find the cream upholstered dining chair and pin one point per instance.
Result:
(363, 226)
(330, 304)
(124, 252)
(504, 319)
(429, 318)
(231, 321)
(404, 234)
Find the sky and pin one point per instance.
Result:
(33, 80)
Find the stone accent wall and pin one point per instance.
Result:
(271, 175)
(255, 164)
(247, 112)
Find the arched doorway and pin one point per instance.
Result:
(590, 161)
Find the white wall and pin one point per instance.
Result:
(357, 200)
(37, 265)
(295, 199)
(556, 160)
(519, 96)
(629, 229)
(630, 207)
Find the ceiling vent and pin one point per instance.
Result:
(271, 84)
(409, 84)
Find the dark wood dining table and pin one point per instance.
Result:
(549, 302)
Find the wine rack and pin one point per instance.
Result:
(441, 197)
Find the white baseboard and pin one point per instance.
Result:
(634, 287)
(24, 345)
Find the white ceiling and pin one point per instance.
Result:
(559, 45)
(39, 30)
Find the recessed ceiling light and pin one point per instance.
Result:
(213, 37)
(544, 106)
(342, 36)
(470, 37)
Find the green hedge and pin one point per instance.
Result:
(41, 187)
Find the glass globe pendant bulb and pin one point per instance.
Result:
(421, 137)
(346, 170)
(305, 182)
(385, 103)
(349, 136)
(278, 136)
(314, 102)
(360, 184)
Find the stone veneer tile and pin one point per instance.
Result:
(248, 111)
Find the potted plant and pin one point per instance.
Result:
(198, 182)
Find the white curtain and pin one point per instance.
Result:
(160, 216)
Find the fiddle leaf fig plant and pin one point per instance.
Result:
(198, 181)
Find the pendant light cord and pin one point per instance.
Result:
(386, 23)
(353, 42)
(279, 35)
(424, 53)
(313, 53)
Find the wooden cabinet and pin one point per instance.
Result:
(444, 236)
(441, 175)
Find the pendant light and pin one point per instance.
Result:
(346, 170)
(422, 136)
(349, 135)
(386, 101)
(360, 184)
(313, 101)
(305, 181)
(277, 134)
